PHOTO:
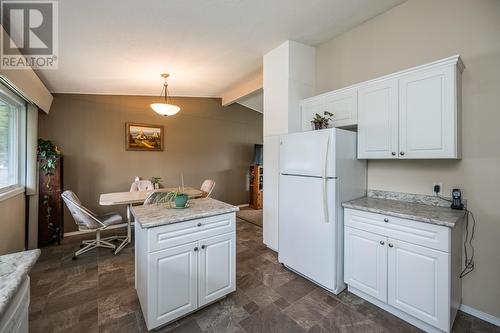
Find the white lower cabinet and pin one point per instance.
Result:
(174, 275)
(417, 280)
(217, 268)
(184, 266)
(392, 263)
(366, 267)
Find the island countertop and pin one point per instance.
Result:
(13, 270)
(444, 216)
(148, 216)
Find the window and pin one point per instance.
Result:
(12, 140)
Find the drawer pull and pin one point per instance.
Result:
(386, 220)
(203, 247)
(199, 224)
(391, 245)
(196, 249)
(382, 242)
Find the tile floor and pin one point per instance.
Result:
(96, 294)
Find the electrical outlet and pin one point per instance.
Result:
(440, 184)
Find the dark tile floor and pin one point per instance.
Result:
(96, 294)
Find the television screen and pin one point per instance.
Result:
(258, 151)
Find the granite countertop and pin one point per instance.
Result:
(444, 216)
(155, 215)
(13, 270)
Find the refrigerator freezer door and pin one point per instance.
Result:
(306, 241)
(308, 153)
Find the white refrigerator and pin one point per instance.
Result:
(318, 171)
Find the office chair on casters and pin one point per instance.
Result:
(86, 220)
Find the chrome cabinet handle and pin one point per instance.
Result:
(391, 245)
(393, 153)
(402, 153)
(386, 220)
(382, 242)
(203, 247)
(199, 224)
(196, 249)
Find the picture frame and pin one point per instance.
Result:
(143, 137)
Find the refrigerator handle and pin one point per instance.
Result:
(325, 185)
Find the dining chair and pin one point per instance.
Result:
(207, 187)
(141, 185)
(86, 220)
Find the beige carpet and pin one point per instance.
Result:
(253, 216)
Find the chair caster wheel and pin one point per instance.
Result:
(74, 258)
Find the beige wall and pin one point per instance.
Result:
(203, 141)
(414, 33)
(12, 212)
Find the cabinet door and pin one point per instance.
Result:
(378, 120)
(309, 107)
(217, 267)
(428, 117)
(173, 284)
(344, 106)
(418, 282)
(366, 262)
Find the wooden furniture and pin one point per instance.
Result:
(50, 208)
(256, 181)
(183, 261)
(406, 267)
(138, 197)
(412, 114)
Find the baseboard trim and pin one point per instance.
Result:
(479, 314)
(243, 205)
(81, 232)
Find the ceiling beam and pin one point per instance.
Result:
(242, 89)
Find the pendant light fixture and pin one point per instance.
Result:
(165, 109)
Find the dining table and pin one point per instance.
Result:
(138, 197)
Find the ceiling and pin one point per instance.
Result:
(122, 47)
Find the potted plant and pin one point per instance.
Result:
(156, 182)
(49, 157)
(321, 121)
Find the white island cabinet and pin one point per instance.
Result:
(185, 259)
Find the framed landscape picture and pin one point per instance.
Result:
(144, 137)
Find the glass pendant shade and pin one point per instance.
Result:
(165, 109)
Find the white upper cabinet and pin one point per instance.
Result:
(412, 114)
(344, 106)
(309, 107)
(378, 120)
(428, 110)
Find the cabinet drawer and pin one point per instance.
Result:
(419, 233)
(184, 232)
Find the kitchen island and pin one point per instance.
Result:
(184, 258)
